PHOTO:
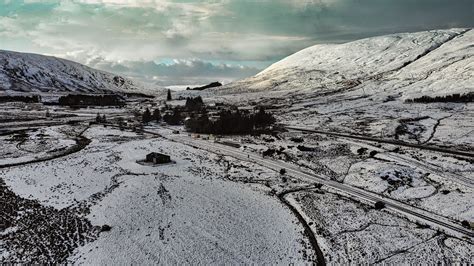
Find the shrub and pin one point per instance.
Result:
(146, 117)
(304, 148)
(379, 205)
(268, 152)
(373, 153)
(466, 224)
(318, 185)
(297, 140)
(361, 151)
(105, 228)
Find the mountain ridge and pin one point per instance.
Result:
(438, 62)
(41, 74)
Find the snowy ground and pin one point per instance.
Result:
(178, 213)
(215, 209)
(435, 182)
(31, 145)
(208, 208)
(354, 233)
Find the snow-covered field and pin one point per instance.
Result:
(354, 233)
(206, 208)
(188, 212)
(26, 146)
(420, 178)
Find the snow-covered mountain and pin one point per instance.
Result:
(24, 72)
(437, 62)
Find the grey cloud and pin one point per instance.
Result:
(216, 30)
(181, 72)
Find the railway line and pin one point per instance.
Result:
(434, 220)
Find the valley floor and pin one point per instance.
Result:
(95, 204)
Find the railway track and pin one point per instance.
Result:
(448, 226)
(387, 141)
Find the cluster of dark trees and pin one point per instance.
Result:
(149, 116)
(174, 117)
(194, 104)
(91, 100)
(138, 95)
(208, 86)
(453, 98)
(231, 122)
(100, 119)
(25, 99)
(223, 122)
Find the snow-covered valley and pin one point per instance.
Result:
(78, 192)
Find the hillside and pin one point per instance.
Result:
(365, 87)
(25, 73)
(436, 62)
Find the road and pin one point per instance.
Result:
(388, 141)
(413, 213)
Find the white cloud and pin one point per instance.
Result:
(177, 72)
(212, 30)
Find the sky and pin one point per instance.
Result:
(181, 42)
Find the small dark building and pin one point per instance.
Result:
(158, 158)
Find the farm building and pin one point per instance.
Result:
(158, 158)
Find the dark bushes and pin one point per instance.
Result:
(379, 205)
(91, 100)
(194, 104)
(304, 148)
(361, 151)
(297, 140)
(373, 153)
(25, 99)
(453, 98)
(173, 118)
(230, 122)
(105, 228)
(268, 152)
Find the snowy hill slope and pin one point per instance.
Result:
(440, 61)
(22, 72)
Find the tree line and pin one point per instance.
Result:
(223, 122)
(454, 98)
(25, 99)
(91, 100)
(230, 122)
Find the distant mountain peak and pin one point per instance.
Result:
(437, 62)
(34, 73)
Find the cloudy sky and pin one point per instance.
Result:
(169, 42)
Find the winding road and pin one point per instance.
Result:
(449, 226)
